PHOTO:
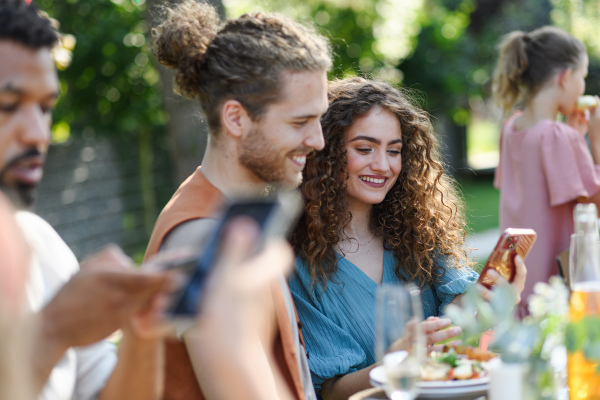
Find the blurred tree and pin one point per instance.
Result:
(444, 49)
(582, 19)
(110, 87)
(367, 36)
(455, 56)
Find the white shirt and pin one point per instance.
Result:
(83, 371)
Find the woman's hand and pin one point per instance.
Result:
(518, 283)
(436, 330)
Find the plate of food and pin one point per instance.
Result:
(455, 371)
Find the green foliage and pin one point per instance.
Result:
(111, 85)
(580, 17)
(517, 340)
(351, 38)
(481, 201)
(455, 56)
(368, 37)
(445, 48)
(111, 88)
(475, 315)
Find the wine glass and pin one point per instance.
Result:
(572, 259)
(399, 339)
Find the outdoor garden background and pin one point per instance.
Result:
(123, 142)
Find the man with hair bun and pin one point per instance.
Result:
(261, 81)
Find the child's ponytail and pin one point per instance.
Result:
(528, 60)
(512, 64)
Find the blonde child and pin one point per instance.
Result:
(545, 165)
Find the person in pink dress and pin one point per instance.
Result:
(546, 166)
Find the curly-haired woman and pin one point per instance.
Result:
(379, 209)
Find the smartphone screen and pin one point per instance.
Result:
(274, 216)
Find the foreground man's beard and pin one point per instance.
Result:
(22, 196)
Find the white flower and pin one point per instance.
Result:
(551, 342)
(537, 306)
(549, 299)
(542, 288)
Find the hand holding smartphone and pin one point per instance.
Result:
(512, 242)
(275, 216)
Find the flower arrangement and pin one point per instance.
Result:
(533, 341)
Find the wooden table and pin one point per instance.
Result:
(369, 394)
(378, 394)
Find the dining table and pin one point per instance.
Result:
(376, 393)
(379, 394)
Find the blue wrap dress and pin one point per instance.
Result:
(338, 323)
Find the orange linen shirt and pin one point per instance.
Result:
(197, 198)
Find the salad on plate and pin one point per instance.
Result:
(456, 363)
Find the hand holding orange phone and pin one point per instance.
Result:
(512, 242)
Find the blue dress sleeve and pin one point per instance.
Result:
(453, 282)
(331, 350)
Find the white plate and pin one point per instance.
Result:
(454, 384)
(378, 378)
(459, 393)
(459, 389)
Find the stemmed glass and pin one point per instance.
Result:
(399, 339)
(572, 259)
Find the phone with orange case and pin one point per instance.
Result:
(512, 241)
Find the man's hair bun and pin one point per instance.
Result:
(182, 39)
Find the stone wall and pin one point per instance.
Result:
(91, 194)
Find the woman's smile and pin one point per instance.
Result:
(376, 181)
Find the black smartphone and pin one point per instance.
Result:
(275, 214)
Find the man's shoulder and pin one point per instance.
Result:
(48, 247)
(192, 233)
(35, 228)
(28, 219)
(196, 199)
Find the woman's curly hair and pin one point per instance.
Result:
(421, 217)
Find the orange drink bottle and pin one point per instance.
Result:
(584, 312)
(584, 374)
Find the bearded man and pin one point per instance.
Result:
(261, 81)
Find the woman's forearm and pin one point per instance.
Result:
(342, 387)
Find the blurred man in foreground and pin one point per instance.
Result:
(75, 309)
(14, 375)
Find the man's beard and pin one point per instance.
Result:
(262, 158)
(22, 195)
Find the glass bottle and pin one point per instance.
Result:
(584, 311)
